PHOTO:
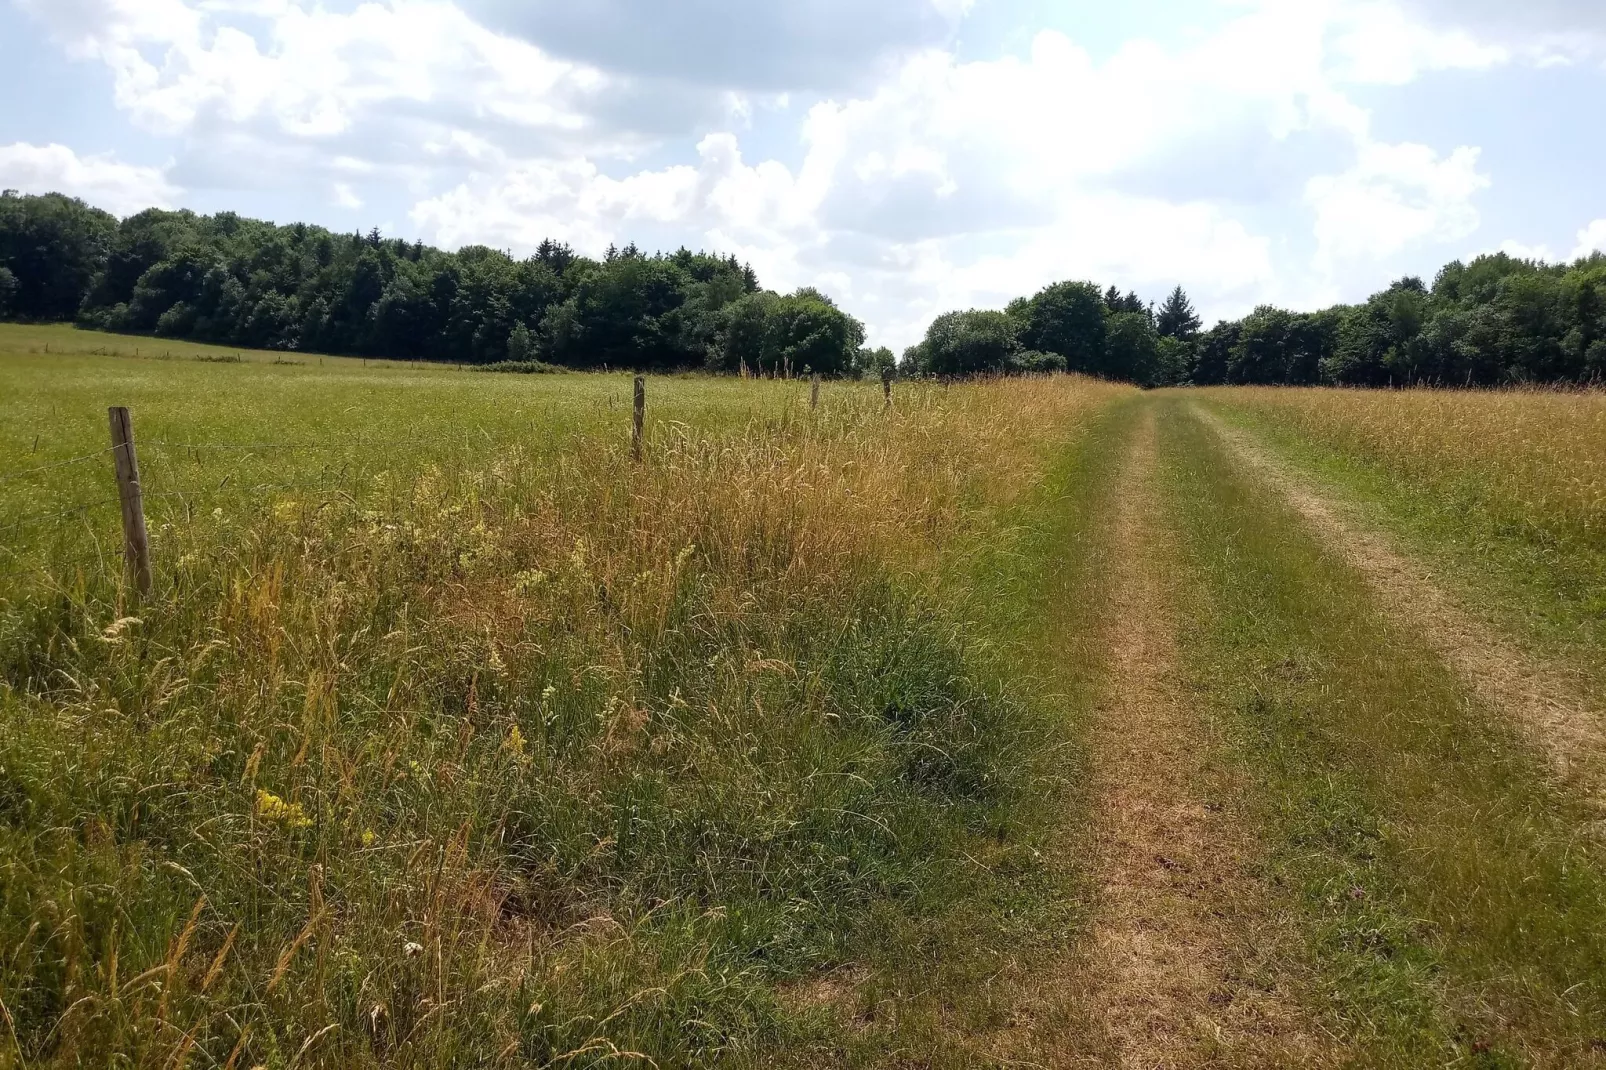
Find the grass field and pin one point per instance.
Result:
(1037, 722)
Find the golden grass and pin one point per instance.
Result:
(501, 755)
(1453, 897)
(1535, 457)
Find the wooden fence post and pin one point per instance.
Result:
(886, 384)
(814, 391)
(136, 541)
(639, 422)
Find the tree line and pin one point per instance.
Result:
(1494, 321)
(230, 280)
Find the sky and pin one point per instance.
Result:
(907, 157)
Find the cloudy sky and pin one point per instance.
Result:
(906, 156)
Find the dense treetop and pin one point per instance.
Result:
(1496, 320)
(236, 281)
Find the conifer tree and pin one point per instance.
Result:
(1177, 318)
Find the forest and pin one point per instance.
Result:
(229, 280)
(1497, 320)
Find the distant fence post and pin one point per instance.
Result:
(886, 384)
(136, 541)
(639, 421)
(814, 391)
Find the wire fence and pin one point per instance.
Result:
(69, 462)
(46, 518)
(166, 464)
(168, 470)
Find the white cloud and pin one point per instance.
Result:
(1382, 43)
(346, 197)
(317, 73)
(1238, 163)
(958, 184)
(103, 181)
(1541, 30)
(1592, 239)
(1519, 251)
(1395, 196)
(762, 46)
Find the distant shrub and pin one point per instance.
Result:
(521, 367)
(1031, 362)
(177, 322)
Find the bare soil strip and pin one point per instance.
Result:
(1179, 961)
(1537, 698)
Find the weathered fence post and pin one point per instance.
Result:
(136, 542)
(886, 384)
(814, 391)
(639, 422)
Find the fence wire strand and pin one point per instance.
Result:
(328, 446)
(76, 510)
(13, 476)
(165, 454)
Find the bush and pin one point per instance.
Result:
(1032, 362)
(176, 322)
(521, 367)
(978, 342)
(520, 345)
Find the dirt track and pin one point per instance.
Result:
(1537, 699)
(1180, 925)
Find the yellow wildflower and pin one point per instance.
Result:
(288, 814)
(515, 743)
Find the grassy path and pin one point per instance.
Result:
(1449, 899)
(1319, 820)
(1173, 969)
(1538, 698)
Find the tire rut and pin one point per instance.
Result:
(1179, 963)
(1534, 697)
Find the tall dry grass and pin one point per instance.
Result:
(513, 759)
(1454, 901)
(1536, 459)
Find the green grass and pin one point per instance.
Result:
(237, 436)
(55, 339)
(1035, 587)
(1456, 910)
(449, 737)
(1535, 575)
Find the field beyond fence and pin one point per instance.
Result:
(450, 735)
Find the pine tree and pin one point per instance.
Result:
(1177, 317)
(555, 255)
